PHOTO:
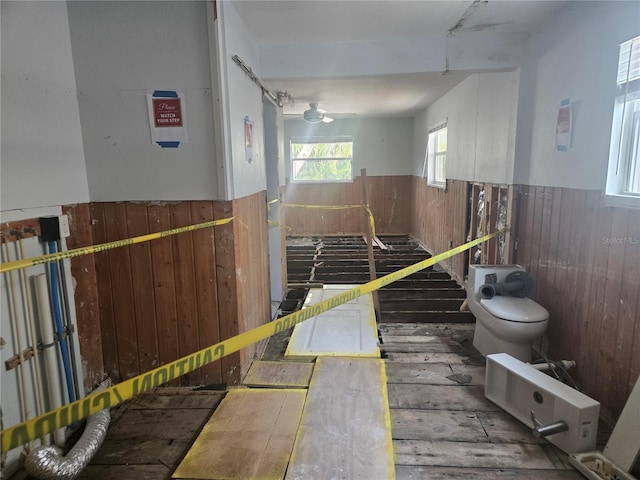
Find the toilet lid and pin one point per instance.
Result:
(515, 309)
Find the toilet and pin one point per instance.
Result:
(506, 320)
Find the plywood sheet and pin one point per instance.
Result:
(250, 435)
(345, 431)
(347, 330)
(279, 374)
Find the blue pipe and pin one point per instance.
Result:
(57, 314)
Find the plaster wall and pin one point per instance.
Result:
(575, 57)
(121, 54)
(381, 145)
(42, 151)
(240, 99)
(480, 117)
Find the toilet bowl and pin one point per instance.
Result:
(505, 323)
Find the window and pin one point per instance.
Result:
(623, 176)
(436, 157)
(319, 159)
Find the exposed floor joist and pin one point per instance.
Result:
(426, 296)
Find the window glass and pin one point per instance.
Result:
(437, 156)
(623, 175)
(321, 159)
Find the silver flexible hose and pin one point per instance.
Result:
(48, 462)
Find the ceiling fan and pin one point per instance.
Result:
(316, 115)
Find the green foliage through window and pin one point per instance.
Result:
(314, 160)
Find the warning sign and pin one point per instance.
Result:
(167, 112)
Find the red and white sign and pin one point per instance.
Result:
(167, 112)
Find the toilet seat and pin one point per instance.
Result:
(514, 309)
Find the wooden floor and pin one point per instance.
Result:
(442, 426)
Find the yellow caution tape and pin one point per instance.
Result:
(338, 207)
(54, 257)
(326, 207)
(372, 222)
(73, 412)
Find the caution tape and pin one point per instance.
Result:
(337, 207)
(73, 412)
(271, 222)
(76, 252)
(325, 207)
(372, 222)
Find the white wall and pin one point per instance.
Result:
(480, 114)
(574, 56)
(122, 51)
(381, 145)
(42, 152)
(240, 98)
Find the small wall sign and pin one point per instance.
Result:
(563, 126)
(167, 118)
(248, 139)
(167, 112)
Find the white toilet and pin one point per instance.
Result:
(506, 320)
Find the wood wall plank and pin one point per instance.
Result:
(83, 270)
(206, 292)
(105, 296)
(185, 288)
(122, 291)
(227, 288)
(164, 286)
(143, 291)
(252, 267)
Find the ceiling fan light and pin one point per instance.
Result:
(313, 116)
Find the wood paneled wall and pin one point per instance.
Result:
(83, 270)
(252, 267)
(585, 258)
(389, 200)
(439, 221)
(158, 301)
(147, 304)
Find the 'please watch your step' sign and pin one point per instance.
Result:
(167, 118)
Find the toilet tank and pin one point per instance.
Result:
(477, 274)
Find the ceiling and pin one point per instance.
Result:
(285, 24)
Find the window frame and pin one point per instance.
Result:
(432, 155)
(320, 139)
(624, 160)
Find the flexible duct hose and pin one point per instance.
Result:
(48, 462)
